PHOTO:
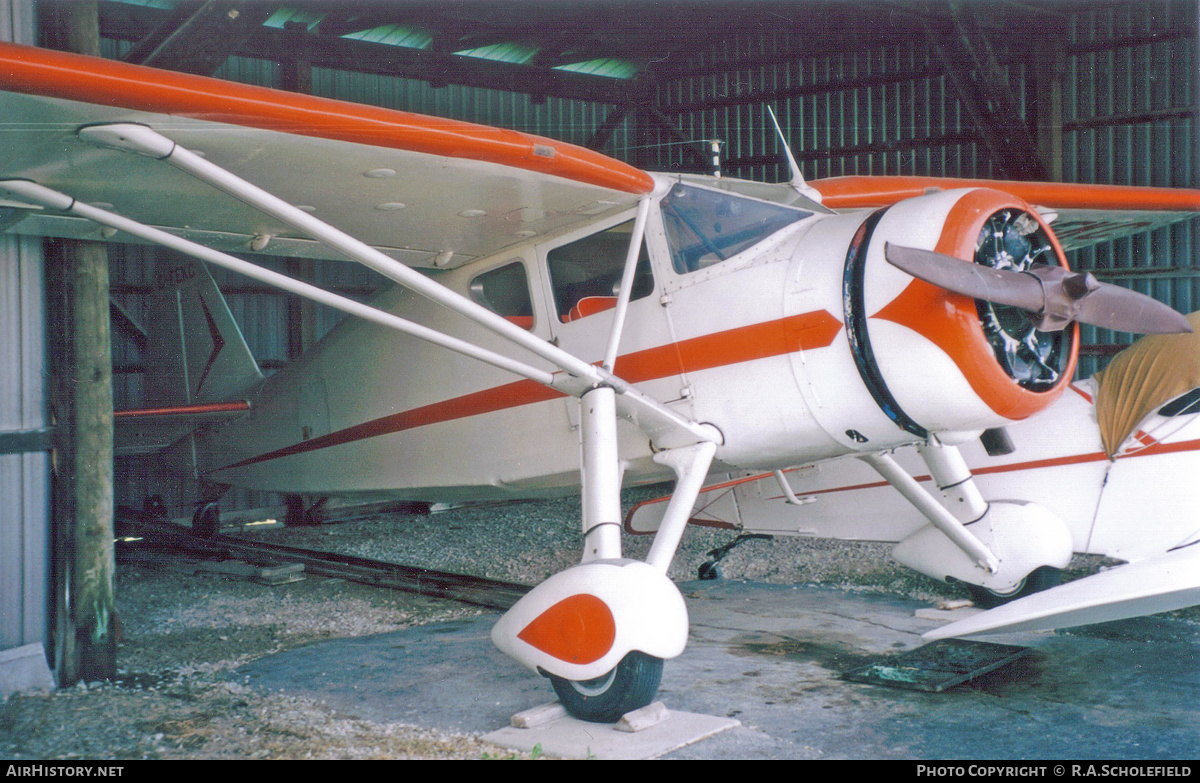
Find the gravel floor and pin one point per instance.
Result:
(183, 634)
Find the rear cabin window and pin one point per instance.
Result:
(705, 227)
(585, 275)
(505, 291)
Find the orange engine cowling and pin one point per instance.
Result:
(918, 359)
(1012, 367)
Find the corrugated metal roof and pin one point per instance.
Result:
(166, 5)
(390, 35)
(502, 53)
(394, 35)
(607, 66)
(284, 16)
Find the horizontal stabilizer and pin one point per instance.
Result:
(149, 430)
(1163, 583)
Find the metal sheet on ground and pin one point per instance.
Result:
(937, 666)
(770, 656)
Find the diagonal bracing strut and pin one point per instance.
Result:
(665, 426)
(43, 196)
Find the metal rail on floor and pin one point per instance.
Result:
(475, 590)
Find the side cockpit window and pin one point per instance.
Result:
(586, 274)
(1183, 405)
(505, 291)
(705, 227)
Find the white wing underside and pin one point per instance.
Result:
(424, 210)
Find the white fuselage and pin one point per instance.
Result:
(755, 344)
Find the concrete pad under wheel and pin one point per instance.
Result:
(569, 738)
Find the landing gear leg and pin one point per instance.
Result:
(1011, 548)
(601, 630)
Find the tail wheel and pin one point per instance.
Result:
(1037, 580)
(630, 686)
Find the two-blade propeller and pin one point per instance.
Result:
(1054, 296)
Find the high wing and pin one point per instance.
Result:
(351, 178)
(453, 190)
(1085, 214)
(217, 157)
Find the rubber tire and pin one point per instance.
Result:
(206, 521)
(710, 569)
(1034, 582)
(631, 685)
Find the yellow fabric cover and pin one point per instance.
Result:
(1155, 369)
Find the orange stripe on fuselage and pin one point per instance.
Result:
(806, 331)
(758, 341)
(95, 80)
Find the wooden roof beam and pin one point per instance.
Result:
(440, 68)
(198, 37)
(974, 71)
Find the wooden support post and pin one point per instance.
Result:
(93, 608)
(85, 465)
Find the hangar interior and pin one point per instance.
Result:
(1074, 91)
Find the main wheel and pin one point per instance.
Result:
(630, 686)
(1037, 580)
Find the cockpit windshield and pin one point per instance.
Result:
(705, 227)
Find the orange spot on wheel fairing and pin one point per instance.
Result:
(579, 629)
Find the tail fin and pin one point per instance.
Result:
(197, 354)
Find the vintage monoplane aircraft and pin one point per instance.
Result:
(564, 320)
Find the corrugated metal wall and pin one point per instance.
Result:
(1130, 98)
(25, 581)
(878, 112)
(1130, 117)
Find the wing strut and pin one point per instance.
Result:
(623, 295)
(47, 197)
(664, 425)
(935, 512)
